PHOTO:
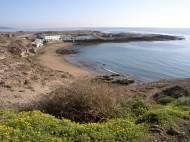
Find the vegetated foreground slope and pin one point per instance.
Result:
(122, 119)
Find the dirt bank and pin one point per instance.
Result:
(49, 58)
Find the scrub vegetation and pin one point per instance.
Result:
(94, 111)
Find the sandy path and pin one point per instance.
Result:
(50, 59)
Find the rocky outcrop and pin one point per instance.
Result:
(65, 51)
(171, 93)
(21, 49)
(115, 79)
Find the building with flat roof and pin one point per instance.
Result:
(51, 38)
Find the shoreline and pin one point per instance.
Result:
(49, 58)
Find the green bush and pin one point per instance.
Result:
(151, 118)
(36, 126)
(140, 95)
(165, 116)
(184, 101)
(165, 100)
(139, 107)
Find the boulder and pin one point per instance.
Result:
(156, 129)
(174, 132)
(173, 92)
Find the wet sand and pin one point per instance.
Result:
(49, 58)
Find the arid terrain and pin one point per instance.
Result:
(27, 75)
(22, 79)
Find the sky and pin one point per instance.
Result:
(94, 13)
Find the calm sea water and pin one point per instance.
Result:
(147, 61)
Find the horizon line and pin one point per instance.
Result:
(9, 27)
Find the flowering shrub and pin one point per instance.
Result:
(37, 126)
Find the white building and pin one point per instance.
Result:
(51, 38)
(78, 37)
(39, 42)
(68, 38)
(84, 37)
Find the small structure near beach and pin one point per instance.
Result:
(39, 42)
(52, 38)
(74, 38)
(64, 38)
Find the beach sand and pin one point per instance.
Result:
(49, 58)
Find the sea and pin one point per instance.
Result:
(145, 61)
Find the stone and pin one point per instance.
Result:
(155, 129)
(174, 132)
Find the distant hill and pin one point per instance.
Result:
(6, 27)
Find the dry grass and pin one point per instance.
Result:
(84, 101)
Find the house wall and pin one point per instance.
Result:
(78, 38)
(85, 37)
(53, 38)
(39, 42)
(67, 38)
(73, 38)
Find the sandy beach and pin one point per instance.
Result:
(49, 58)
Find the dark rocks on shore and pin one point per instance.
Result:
(174, 91)
(115, 79)
(127, 37)
(123, 81)
(170, 94)
(66, 51)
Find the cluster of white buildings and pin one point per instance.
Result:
(41, 39)
(62, 38)
(52, 38)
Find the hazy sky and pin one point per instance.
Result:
(94, 13)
